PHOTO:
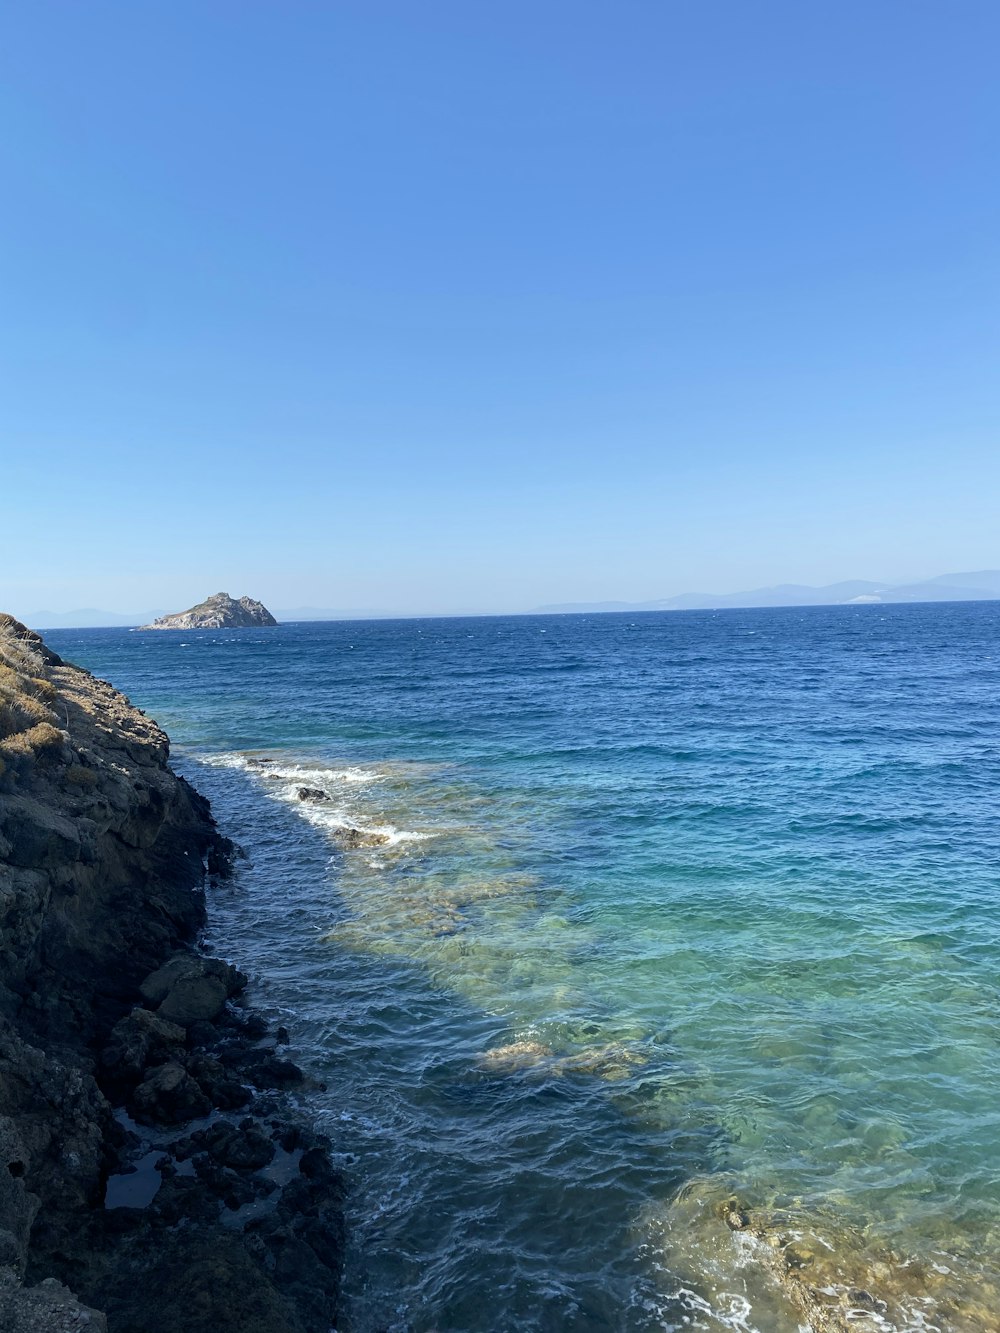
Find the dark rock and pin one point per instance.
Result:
(194, 999)
(185, 965)
(245, 1147)
(261, 1067)
(202, 1034)
(191, 989)
(255, 1025)
(275, 1073)
(140, 1040)
(224, 1091)
(250, 1150)
(202, 1279)
(312, 794)
(220, 861)
(17, 1206)
(316, 1165)
(183, 1199)
(227, 1185)
(350, 837)
(289, 1137)
(155, 988)
(169, 1096)
(47, 1308)
(864, 1300)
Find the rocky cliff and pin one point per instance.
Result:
(151, 1177)
(218, 612)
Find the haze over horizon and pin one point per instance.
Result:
(974, 585)
(444, 307)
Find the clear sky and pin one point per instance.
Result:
(437, 306)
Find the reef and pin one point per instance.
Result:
(220, 611)
(153, 1175)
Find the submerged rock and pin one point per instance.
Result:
(516, 1055)
(351, 837)
(613, 1061)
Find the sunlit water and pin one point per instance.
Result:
(610, 922)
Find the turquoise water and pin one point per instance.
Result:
(641, 915)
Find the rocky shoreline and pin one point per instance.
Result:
(154, 1175)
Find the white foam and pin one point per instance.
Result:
(342, 786)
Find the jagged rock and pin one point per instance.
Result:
(265, 1070)
(312, 794)
(191, 989)
(245, 1147)
(141, 1039)
(225, 1092)
(222, 856)
(352, 837)
(48, 1308)
(315, 1165)
(168, 1095)
(219, 611)
(17, 1206)
(184, 963)
(194, 999)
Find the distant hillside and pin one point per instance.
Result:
(984, 585)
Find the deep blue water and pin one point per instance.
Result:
(653, 911)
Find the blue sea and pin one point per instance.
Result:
(649, 964)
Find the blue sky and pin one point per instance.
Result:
(450, 306)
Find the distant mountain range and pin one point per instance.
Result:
(984, 585)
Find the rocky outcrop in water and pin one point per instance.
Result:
(218, 612)
(152, 1179)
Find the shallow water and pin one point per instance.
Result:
(610, 921)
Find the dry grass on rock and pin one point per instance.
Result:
(27, 730)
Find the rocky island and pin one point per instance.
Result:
(153, 1175)
(218, 612)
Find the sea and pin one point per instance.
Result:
(645, 967)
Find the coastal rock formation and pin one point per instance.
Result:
(218, 612)
(115, 1033)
